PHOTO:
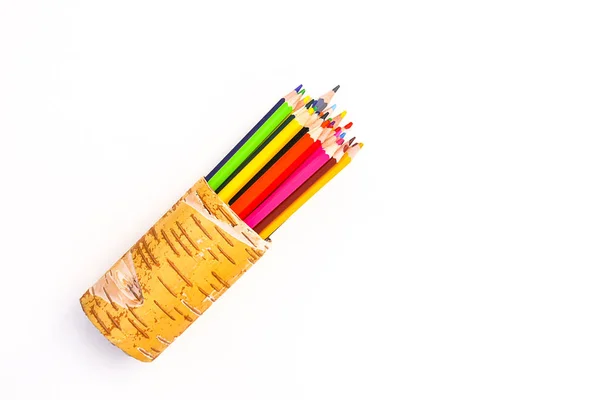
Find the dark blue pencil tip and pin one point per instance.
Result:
(335, 89)
(298, 88)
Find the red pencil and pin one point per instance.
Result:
(295, 180)
(284, 167)
(279, 171)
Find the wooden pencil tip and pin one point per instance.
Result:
(335, 89)
(354, 149)
(298, 88)
(348, 125)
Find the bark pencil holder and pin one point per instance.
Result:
(186, 261)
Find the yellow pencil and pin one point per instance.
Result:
(302, 117)
(267, 230)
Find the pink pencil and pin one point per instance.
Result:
(294, 181)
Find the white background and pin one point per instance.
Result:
(456, 258)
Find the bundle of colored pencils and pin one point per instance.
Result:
(289, 155)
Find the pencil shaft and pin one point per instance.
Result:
(273, 177)
(244, 140)
(255, 153)
(250, 145)
(308, 167)
(283, 152)
(270, 224)
(260, 160)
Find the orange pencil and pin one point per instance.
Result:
(281, 169)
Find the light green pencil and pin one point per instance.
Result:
(249, 143)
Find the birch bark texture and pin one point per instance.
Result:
(183, 264)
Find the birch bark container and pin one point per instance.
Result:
(184, 263)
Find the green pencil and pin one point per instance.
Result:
(254, 141)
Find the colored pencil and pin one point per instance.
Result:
(304, 171)
(252, 131)
(338, 118)
(261, 147)
(265, 143)
(303, 188)
(282, 153)
(315, 183)
(278, 172)
(293, 125)
(322, 102)
(290, 154)
(253, 139)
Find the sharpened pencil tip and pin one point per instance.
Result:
(299, 87)
(324, 116)
(301, 92)
(343, 135)
(348, 125)
(335, 89)
(320, 105)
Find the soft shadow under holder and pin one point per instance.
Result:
(185, 262)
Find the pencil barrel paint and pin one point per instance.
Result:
(260, 160)
(280, 171)
(308, 167)
(270, 165)
(250, 145)
(256, 151)
(244, 139)
(266, 227)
